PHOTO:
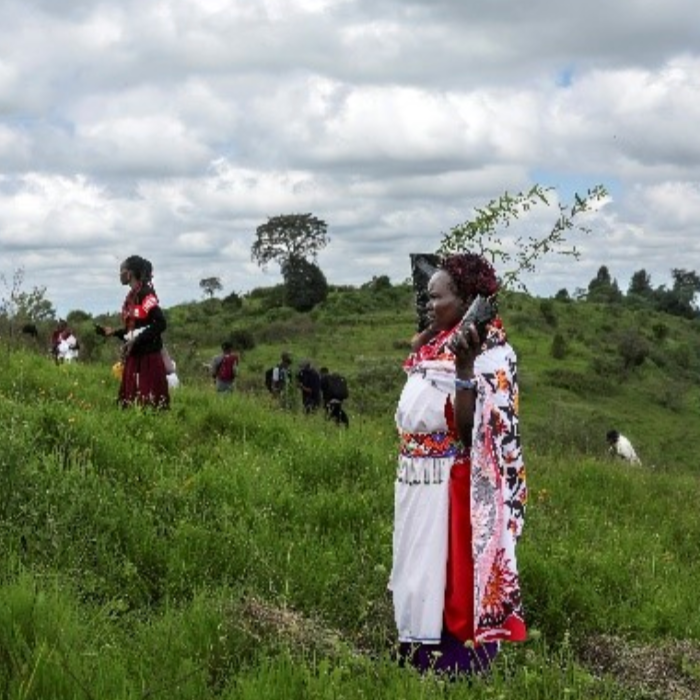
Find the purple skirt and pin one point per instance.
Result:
(450, 657)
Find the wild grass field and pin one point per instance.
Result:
(229, 549)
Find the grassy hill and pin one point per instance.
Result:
(228, 549)
(584, 367)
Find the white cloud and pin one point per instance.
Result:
(174, 129)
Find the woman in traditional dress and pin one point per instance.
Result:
(144, 381)
(460, 490)
(64, 344)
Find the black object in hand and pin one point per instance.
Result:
(480, 312)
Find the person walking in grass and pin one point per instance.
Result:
(281, 380)
(224, 368)
(310, 385)
(334, 390)
(460, 492)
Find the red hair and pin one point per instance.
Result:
(471, 275)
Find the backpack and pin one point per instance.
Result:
(337, 387)
(268, 378)
(226, 371)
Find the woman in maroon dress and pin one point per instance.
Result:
(144, 380)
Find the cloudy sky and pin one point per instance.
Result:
(172, 129)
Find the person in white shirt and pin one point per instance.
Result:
(172, 378)
(282, 380)
(64, 344)
(620, 446)
(67, 349)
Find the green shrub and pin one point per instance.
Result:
(284, 326)
(683, 356)
(559, 347)
(548, 311)
(583, 383)
(605, 367)
(305, 284)
(242, 339)
(633, 348)
(232, 301)
(660, 331)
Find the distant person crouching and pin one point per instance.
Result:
(620, 446)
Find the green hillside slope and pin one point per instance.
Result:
(584, 368)
(229, 549)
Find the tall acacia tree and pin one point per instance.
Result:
(288, 236)
(210, 286)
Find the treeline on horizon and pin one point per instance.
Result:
(678, 300)
(19, 308)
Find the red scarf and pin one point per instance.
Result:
(137, 305)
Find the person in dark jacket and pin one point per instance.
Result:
(144, 379)
(310, 384)
(332, 401)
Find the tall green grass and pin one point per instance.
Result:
(229, 549)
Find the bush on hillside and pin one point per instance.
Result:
(607, 367)
(232, 301)
(77, 316)
(242, 339)
(684, 356)
(559, 347)
(670, 395)
(548, 312)
(377, 284)
(582, 383)
(339, 305)
(365, 300)
(305, 284)
(527, 323)
(285, 329)
(270, 298)
(210, 307)
(633, 348)
(660, 331)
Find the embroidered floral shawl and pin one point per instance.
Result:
(498, 485)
